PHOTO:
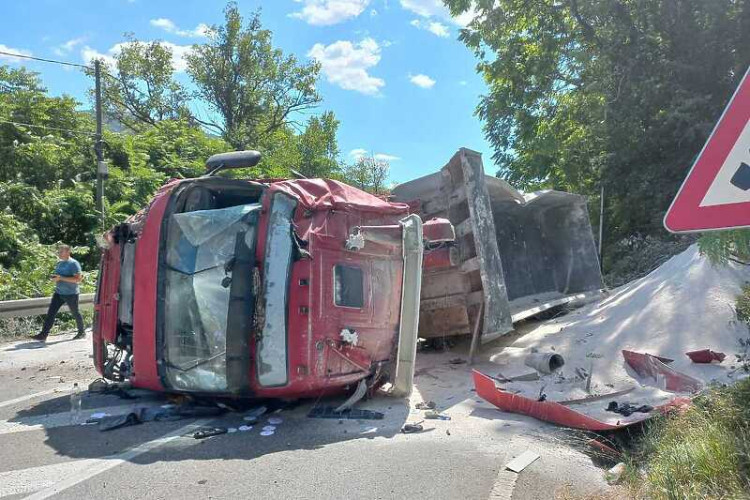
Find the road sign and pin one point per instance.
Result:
(716, 193)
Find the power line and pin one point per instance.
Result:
(19, 124)
(64, 63)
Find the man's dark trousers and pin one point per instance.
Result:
(55, 305)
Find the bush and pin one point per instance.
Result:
(702, 453)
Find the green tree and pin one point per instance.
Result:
(318, 147)
(368, 174)
(251, 87)
(620, 93)
(142, 90)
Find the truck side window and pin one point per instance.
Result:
(348, 286)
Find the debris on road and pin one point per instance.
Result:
(544, 362)
(626, 409)
(435, 415)
(412, 428)
(205, 432)
(522, 461)
(429, 405)
(665, 377)
(350, 414)
(640, 323)
(117, 421)
(614, 474)
(705, 356)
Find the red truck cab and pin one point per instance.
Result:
(244, 288)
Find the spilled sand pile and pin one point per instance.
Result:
(685, 305)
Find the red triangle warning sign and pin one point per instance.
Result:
(716, 193)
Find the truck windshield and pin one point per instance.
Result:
(202, 248)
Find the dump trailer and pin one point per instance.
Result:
(515, 255)
(262, 288)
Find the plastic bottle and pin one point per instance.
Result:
(75, 405)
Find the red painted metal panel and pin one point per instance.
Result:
(145, 373)
(549, 411)
(106, 305)
(666, 378)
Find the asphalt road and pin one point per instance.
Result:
(42, 455)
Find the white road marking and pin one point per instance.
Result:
(31, 396)
(60, 477)
(504, 485)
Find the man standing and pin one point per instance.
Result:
(67, 276)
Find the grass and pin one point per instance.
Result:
(704, 452)
(18, 328)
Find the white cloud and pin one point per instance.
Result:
(436, 8)
(88, 54)
(328, 12)
(345, 64)
(178, 54)
(423, 81)
(67, 47)
(170, 27)
(12, 59)
(434, 27)
(386, 157)
(463, 83)
(358, 153)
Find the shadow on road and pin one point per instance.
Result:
(35, 344)
(296, 431)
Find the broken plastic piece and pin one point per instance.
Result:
(705, 356)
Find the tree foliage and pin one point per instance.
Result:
(47, 161)
(368, 174)
(619, 93)
(252, 87)
(142, 90)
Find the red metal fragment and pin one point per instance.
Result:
(666, 378)
(604, 448)
(550, 411)
(705, 356)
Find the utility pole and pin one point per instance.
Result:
(601, 224)
(101, 167)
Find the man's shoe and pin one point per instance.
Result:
(79, 336)
(39, 337)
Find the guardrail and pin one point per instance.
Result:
(34, 307)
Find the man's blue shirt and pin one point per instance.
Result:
(67, 268)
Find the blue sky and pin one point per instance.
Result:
(402, 85)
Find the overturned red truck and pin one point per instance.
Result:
(243, 288)
(293, 288)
